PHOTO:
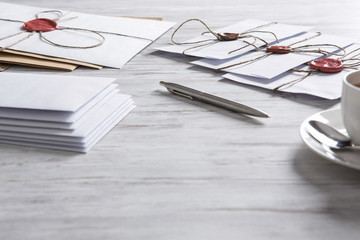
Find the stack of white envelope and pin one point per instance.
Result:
(59, 112)
(253, 67)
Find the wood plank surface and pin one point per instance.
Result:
(179, 170)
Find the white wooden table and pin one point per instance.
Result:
(179, 170)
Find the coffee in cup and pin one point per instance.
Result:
(350, 105)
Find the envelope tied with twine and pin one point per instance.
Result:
(76, 39)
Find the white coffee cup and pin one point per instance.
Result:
(350, 105)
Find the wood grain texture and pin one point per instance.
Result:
(179, 170)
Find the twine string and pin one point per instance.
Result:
(197, 46)
(12, 35)
(245, 34)
(269, 32)
(69, 46)
(351, 52)
(260, 26)
(252, 44)
(37, 15)
(11, 20)
(309, 72)
(266, 54)
(296, 49)
(244, 62)
(324, 52)
(248, 44)
(354, 65)
(60, 18)
(306, 39)
(19, 41)
(190, 20)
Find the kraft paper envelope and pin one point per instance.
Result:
(114, 52)
(4, 66)
(220, 50)
(50, 60)
(35, 62)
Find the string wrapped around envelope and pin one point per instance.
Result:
(41, 25)
(221, 37)
(308, 48)
(350, 60)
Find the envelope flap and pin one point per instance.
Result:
(44, 92)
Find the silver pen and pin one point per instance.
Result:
(193, 94)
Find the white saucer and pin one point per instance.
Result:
(349, 158)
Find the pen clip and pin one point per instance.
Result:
(180, 93)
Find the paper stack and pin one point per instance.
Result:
(67, 113)
(119, 39)
(247, 60)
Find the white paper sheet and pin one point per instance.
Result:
(115, 52)
(220, 50)
(276, 64)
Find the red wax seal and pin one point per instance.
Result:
(279, 49)
(40, 25)
(228, 36)
(329, 65)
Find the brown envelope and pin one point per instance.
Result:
(48, 59)
(35, 62)
(4, 66)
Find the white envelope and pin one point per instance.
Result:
(114, 52)
(84, 142)
(49, 92)
(276, 64)
(116, 103)
(96, 136)
(66, 125)
(323, 85)
(50, 98)
(220, 50)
